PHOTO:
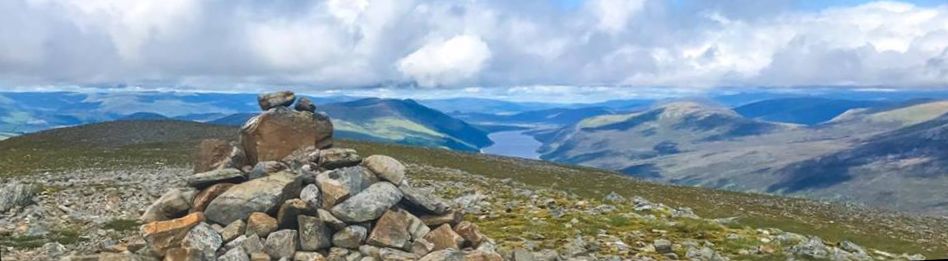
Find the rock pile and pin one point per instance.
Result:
(283, 193)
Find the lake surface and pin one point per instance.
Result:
(514, 144)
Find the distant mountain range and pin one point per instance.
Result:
(889, 156)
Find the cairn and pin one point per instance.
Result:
(283, 192)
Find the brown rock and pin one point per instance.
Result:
(308, 256)
(205, 197)
(304, 104)
(470, 232)
(164, 235)
(391, 230)
(278, 132)
(444, 237)
(183, 254)
(286, 217)
(386, 168)
(261, 224)
(452, 218)
(211, 154)
(275, 99)
(333, 190)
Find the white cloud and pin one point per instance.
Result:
(325, 44)
(444, 62)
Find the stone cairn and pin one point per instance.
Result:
(284, 193)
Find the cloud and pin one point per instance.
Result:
(446, 62)
(343, 44)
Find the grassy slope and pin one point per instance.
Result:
(123, 144)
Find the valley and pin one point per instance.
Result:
(515, 143)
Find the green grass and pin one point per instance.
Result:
(122, 224)
(65, 236)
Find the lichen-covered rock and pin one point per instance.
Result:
(314, 234)
(235, 254)
(203, 239)
(330, 220)
(261, 224)
(234, 230)
(391, 230)
(281, 244)
(286, 216)
(277, 132)
(369, 204)
(444, 255)
(259, 195)
(164, 235)
(334, 158)
(349, 237)
(312, 196)
(425, 202)
(174, 203)
(386, 168)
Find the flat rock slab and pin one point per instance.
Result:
(259, 195)
(369, 204)
(164, 235)
(206, 179)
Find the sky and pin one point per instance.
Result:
(598, 48)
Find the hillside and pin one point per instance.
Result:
(770, 161)
(802, 110)
(499, 178)
(555, 117)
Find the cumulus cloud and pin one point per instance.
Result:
(338, 44)
(446, 62)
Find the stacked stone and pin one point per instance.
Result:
(284, 194)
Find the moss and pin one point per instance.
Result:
(122, 225)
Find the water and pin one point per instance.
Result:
(514, 144)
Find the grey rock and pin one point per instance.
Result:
(330, 220)
(704, 254)
(369, 251)
(205, 179)
(614, 197)
(369, 204)
(422, 247)
(314, 234)
(304, 104)
(253, 244)
(546, 255)
(446, 255)
(264, 168)
(259, 195)
(386, 168)
(811, 248)
(281, 244)
(350, 237)
(233, 230)
(337, 254)
(270, 100)
(307, 256)
(16, 195)
(424, 201)
(522, 255)
(173, 204)
(333, 158)
(312, 196)
(290, 210)
(54, 250)
(662, 246)
(416, 227)
(396, 255)
(235, 254)
(204, 239)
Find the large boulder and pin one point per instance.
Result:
(278, 132)
(259, 195)
(370, 204)
(212, 154)
(172, 204)
(275, 99)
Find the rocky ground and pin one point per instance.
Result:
(83, 212)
